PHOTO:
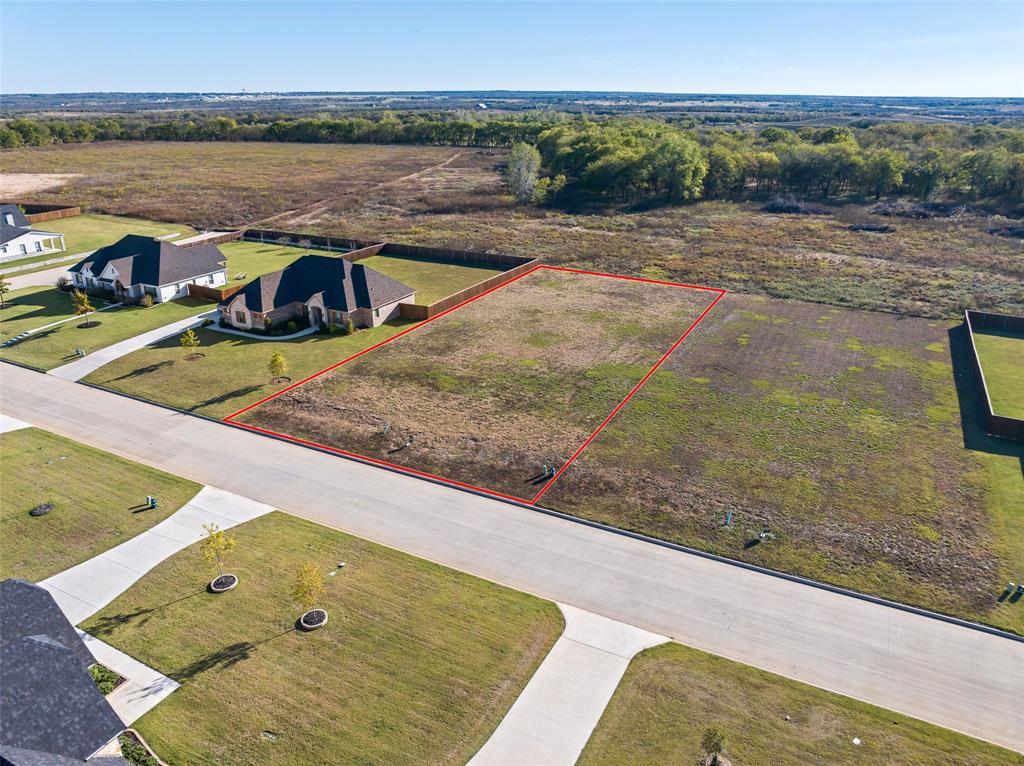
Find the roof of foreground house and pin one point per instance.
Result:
(150, 261)
(344, 286)
(50, 708)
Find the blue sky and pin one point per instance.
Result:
(842, 48)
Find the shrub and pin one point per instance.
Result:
(349, 327)
(292, 327)
(207, 323)
(106, 680)
(146, 301)
(332, 329)
(135, 753)
(223, 321)
(63, 283)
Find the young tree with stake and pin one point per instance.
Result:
(189, 341)
(278, 365)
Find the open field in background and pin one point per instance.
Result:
(670, 694)
(97, 499)
(233, 372)
(417, 664)
(212, 185)
(56, 346)
(91, 231)
(492, 392)
(838, 429)
(33, 307)
(1002, 363)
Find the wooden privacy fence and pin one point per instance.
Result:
(314, 241)
(420, 312)
(997, 425)
(220, 239)
(208, 293)
(37, 213)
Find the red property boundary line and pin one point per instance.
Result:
(444, 480)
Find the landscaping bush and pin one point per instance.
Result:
(106, 679)
(134, 752)
(63, 283)
(292, 327)
(223, 322)
(208, 322)
(332, 329)
(349, 327)
(146, 301)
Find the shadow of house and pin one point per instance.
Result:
(51, 711)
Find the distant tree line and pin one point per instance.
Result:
(633, 159)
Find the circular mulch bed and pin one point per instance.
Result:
(41, 510)
(193, 357)
(313, 619)
(87, 325)
(279, 380)
(222, 583)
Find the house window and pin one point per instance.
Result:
(3, 249)
(376, 313)
(23, 249)
(39, 247)
(240, 317)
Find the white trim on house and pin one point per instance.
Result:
(161, 293)
(32, 242)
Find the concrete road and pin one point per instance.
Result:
(44, 278)
(946, 674)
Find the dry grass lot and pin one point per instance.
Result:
(417, 664)
(838, 429)
(495, 390)
(671, 694)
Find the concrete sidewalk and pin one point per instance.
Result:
(79, 368)
(83, 590)
(551, 721)
(143, 688)
(7, 423)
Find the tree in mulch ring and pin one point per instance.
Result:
(82, 307)
(190, 342)
(216, 547)
(41, 510)
(308, 590)
(277, 367)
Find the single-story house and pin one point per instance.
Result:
(19, 240)
(51, 711)
(136, 265)
(318, 289)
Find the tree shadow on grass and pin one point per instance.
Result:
(108, 624)
(226, 397)
(223, 658)
(140, 371)
(972, 401)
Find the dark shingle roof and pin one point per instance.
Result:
(16, 756)
(48, 700)
(345, 286)
(149, 261)
(17, 215)
(8, 232)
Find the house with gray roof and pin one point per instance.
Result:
(50, 709)
(136, 265)
(19, 240)
(318, 290)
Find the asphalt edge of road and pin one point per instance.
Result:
(959, 622)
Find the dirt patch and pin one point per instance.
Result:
(500, 390)
(21, 184)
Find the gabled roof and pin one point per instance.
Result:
(49, 703)
(8, 233)
(344, 286)
(19, 218)
(150, 261)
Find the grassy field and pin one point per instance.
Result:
(432, 280)
(491, 393)
(33, 307)
(671, 694)
(92, 231)
(97, 499)
(56, 346)
(417, 664)
(1002, 361)
(931, 268)
(233, 373)
(211, 185)
(840, 430)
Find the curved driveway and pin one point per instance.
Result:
(950, 675)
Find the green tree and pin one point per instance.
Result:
(679, 167)
(523, 171)
(278, 365)
(309, 585)
(5, 287)
(80, 303)
(216, 546)
(189, 341)
(725, 172)
(883, 171)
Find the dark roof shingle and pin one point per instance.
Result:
(149, 261)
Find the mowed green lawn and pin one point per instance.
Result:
(1002, 361)
(233, 373)
(97, 500)
(89, 232)
(417, 664)
(33, 307)
(672, 693)
(252, 259)
(55, 346)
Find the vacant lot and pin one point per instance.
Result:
(55, 346)
(418, 663)
(97, 502)
(233, 372)
(671, 694)
(431, 279)
(212, 185)
(1002, 362)
(494, 391)
(839, 430)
